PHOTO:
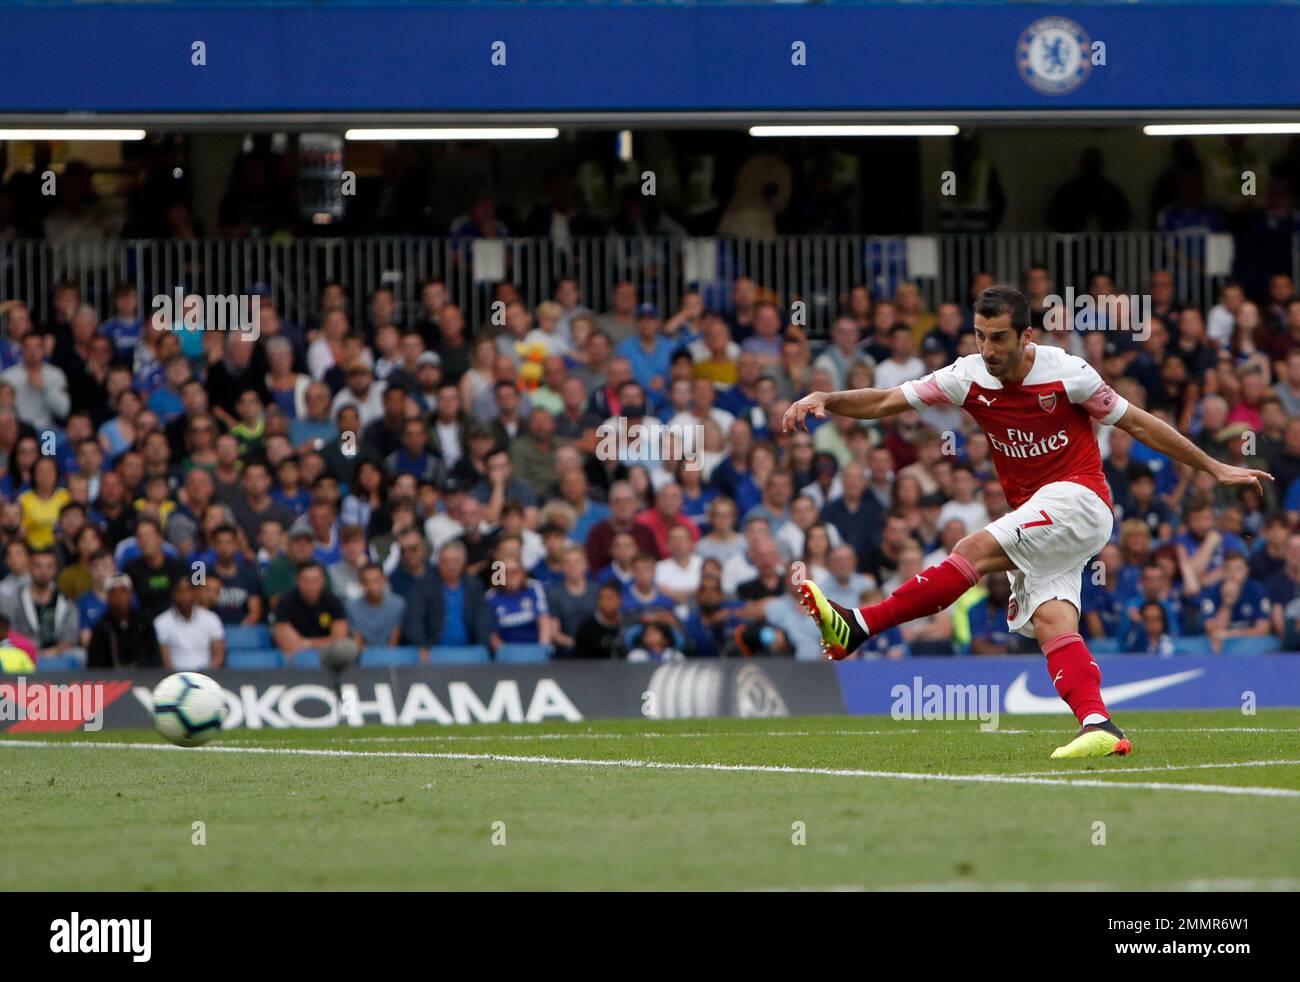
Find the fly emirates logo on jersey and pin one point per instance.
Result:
(1023, 444)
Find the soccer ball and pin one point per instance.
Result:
(188, 708)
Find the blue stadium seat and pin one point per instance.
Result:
(1104, 646)
(464, 654)
(1197, 645)
(255, 658)
(240, 637)
(1251, 646)
(518, 654)
(58, 663)
(376, 657)
(308, 658)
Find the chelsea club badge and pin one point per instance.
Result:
(1053, 55)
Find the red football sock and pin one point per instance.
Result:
(1075, 675)
(929, 592)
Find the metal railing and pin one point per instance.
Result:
(819, 270)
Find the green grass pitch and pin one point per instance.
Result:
(1208, 800)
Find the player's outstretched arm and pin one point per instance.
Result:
(855, 403)
(1160, 436)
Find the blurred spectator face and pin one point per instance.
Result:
(842, 563)
(609, 602)
(412, 548)
(1247, 318)
(999, 588)
(624, 300)
(757, 531)
(382, 307)
(954, 530)
(225, 545)
(1154, 582)
(803, 512)
(767, 321)
(722, 515)
(433, 298)
(1200, 521)
(373, 584)
(256, 481)
(949, 318)
(643, 573)
(1191, 326)
(541, 424)
(895, 533)
(19, 323)
(669, 501)
(844, 333)
(574, 563)
(679, 543)
(451, 323)
(1214, 413)
(311, 583)
(622, 548)
(1232, 297)
(855, 483)
(883, 319)
(1162, 288)
(566, 294)
(1037, 283)
(414, 437)
(779, 490)
(451, 563)
(860, 302)
(622, 504)
(748, 369)
(149, 541)
(744, 292)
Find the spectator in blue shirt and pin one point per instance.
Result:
(649, 352)
(1206, 546)
(1149, 634)
(989, 631)
(1237, 606)
(459, 612)
(123, 328)
(1102, 597)
(375, 618)
(1156, 587)
(519, 611)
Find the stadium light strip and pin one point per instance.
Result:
(1219, 129)
(47, 134)
(462, 133)
(918, 129)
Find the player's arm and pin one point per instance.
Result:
(854, 403)
(1160, 436)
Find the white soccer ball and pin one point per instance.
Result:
(188, 708)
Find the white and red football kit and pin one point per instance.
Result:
(1041, 440)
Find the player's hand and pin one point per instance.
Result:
(1227, 474)
(796, 415)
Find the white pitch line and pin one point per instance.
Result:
(528, 737)
(1261, 792)
(614, 736)
(1177, 767)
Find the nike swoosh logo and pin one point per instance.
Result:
(1020, 700)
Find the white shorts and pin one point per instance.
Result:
(1051, 538)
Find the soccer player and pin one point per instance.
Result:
(1036, 404)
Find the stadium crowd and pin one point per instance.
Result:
(600, 484)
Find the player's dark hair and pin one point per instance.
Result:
(1002, 299)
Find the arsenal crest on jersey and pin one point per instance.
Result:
(1047, 401)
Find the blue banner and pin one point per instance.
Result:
(1128, 682)
(464, 58)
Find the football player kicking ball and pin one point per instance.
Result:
(1036, 404)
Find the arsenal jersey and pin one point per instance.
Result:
(1039, 430)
